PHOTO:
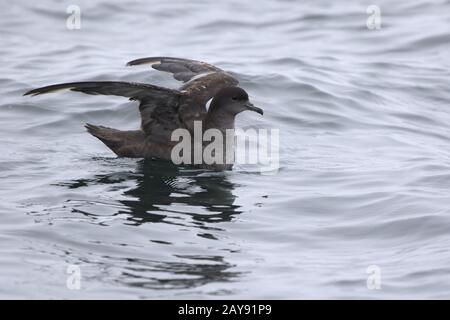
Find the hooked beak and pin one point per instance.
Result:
(251, 107)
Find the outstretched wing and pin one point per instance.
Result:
(158, 106)
(130, 90)
(202, 80)
(182, 69)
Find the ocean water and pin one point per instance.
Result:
(360, 207)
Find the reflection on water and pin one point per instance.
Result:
(159, 185)
(197, 271)
(160, 193)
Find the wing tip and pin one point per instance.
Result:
(32, 93)
(149, 60)
(48, 89)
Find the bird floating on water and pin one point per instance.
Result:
(165, 110)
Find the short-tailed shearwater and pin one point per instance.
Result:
(164, 110)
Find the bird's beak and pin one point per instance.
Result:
(251, 107)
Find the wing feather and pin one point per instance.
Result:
(158, 106)
(201, 80)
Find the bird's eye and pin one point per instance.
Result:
(234, 98)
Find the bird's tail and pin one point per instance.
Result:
(122, 143)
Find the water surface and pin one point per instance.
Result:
(364, 151)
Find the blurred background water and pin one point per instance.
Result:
(364, 149)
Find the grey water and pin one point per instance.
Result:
(360, 207)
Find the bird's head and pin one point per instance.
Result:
(233, 100)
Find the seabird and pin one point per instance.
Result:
(164, 110)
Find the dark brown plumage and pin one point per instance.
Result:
(163, 110)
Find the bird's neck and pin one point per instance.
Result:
(218, 119)
(224, 122)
